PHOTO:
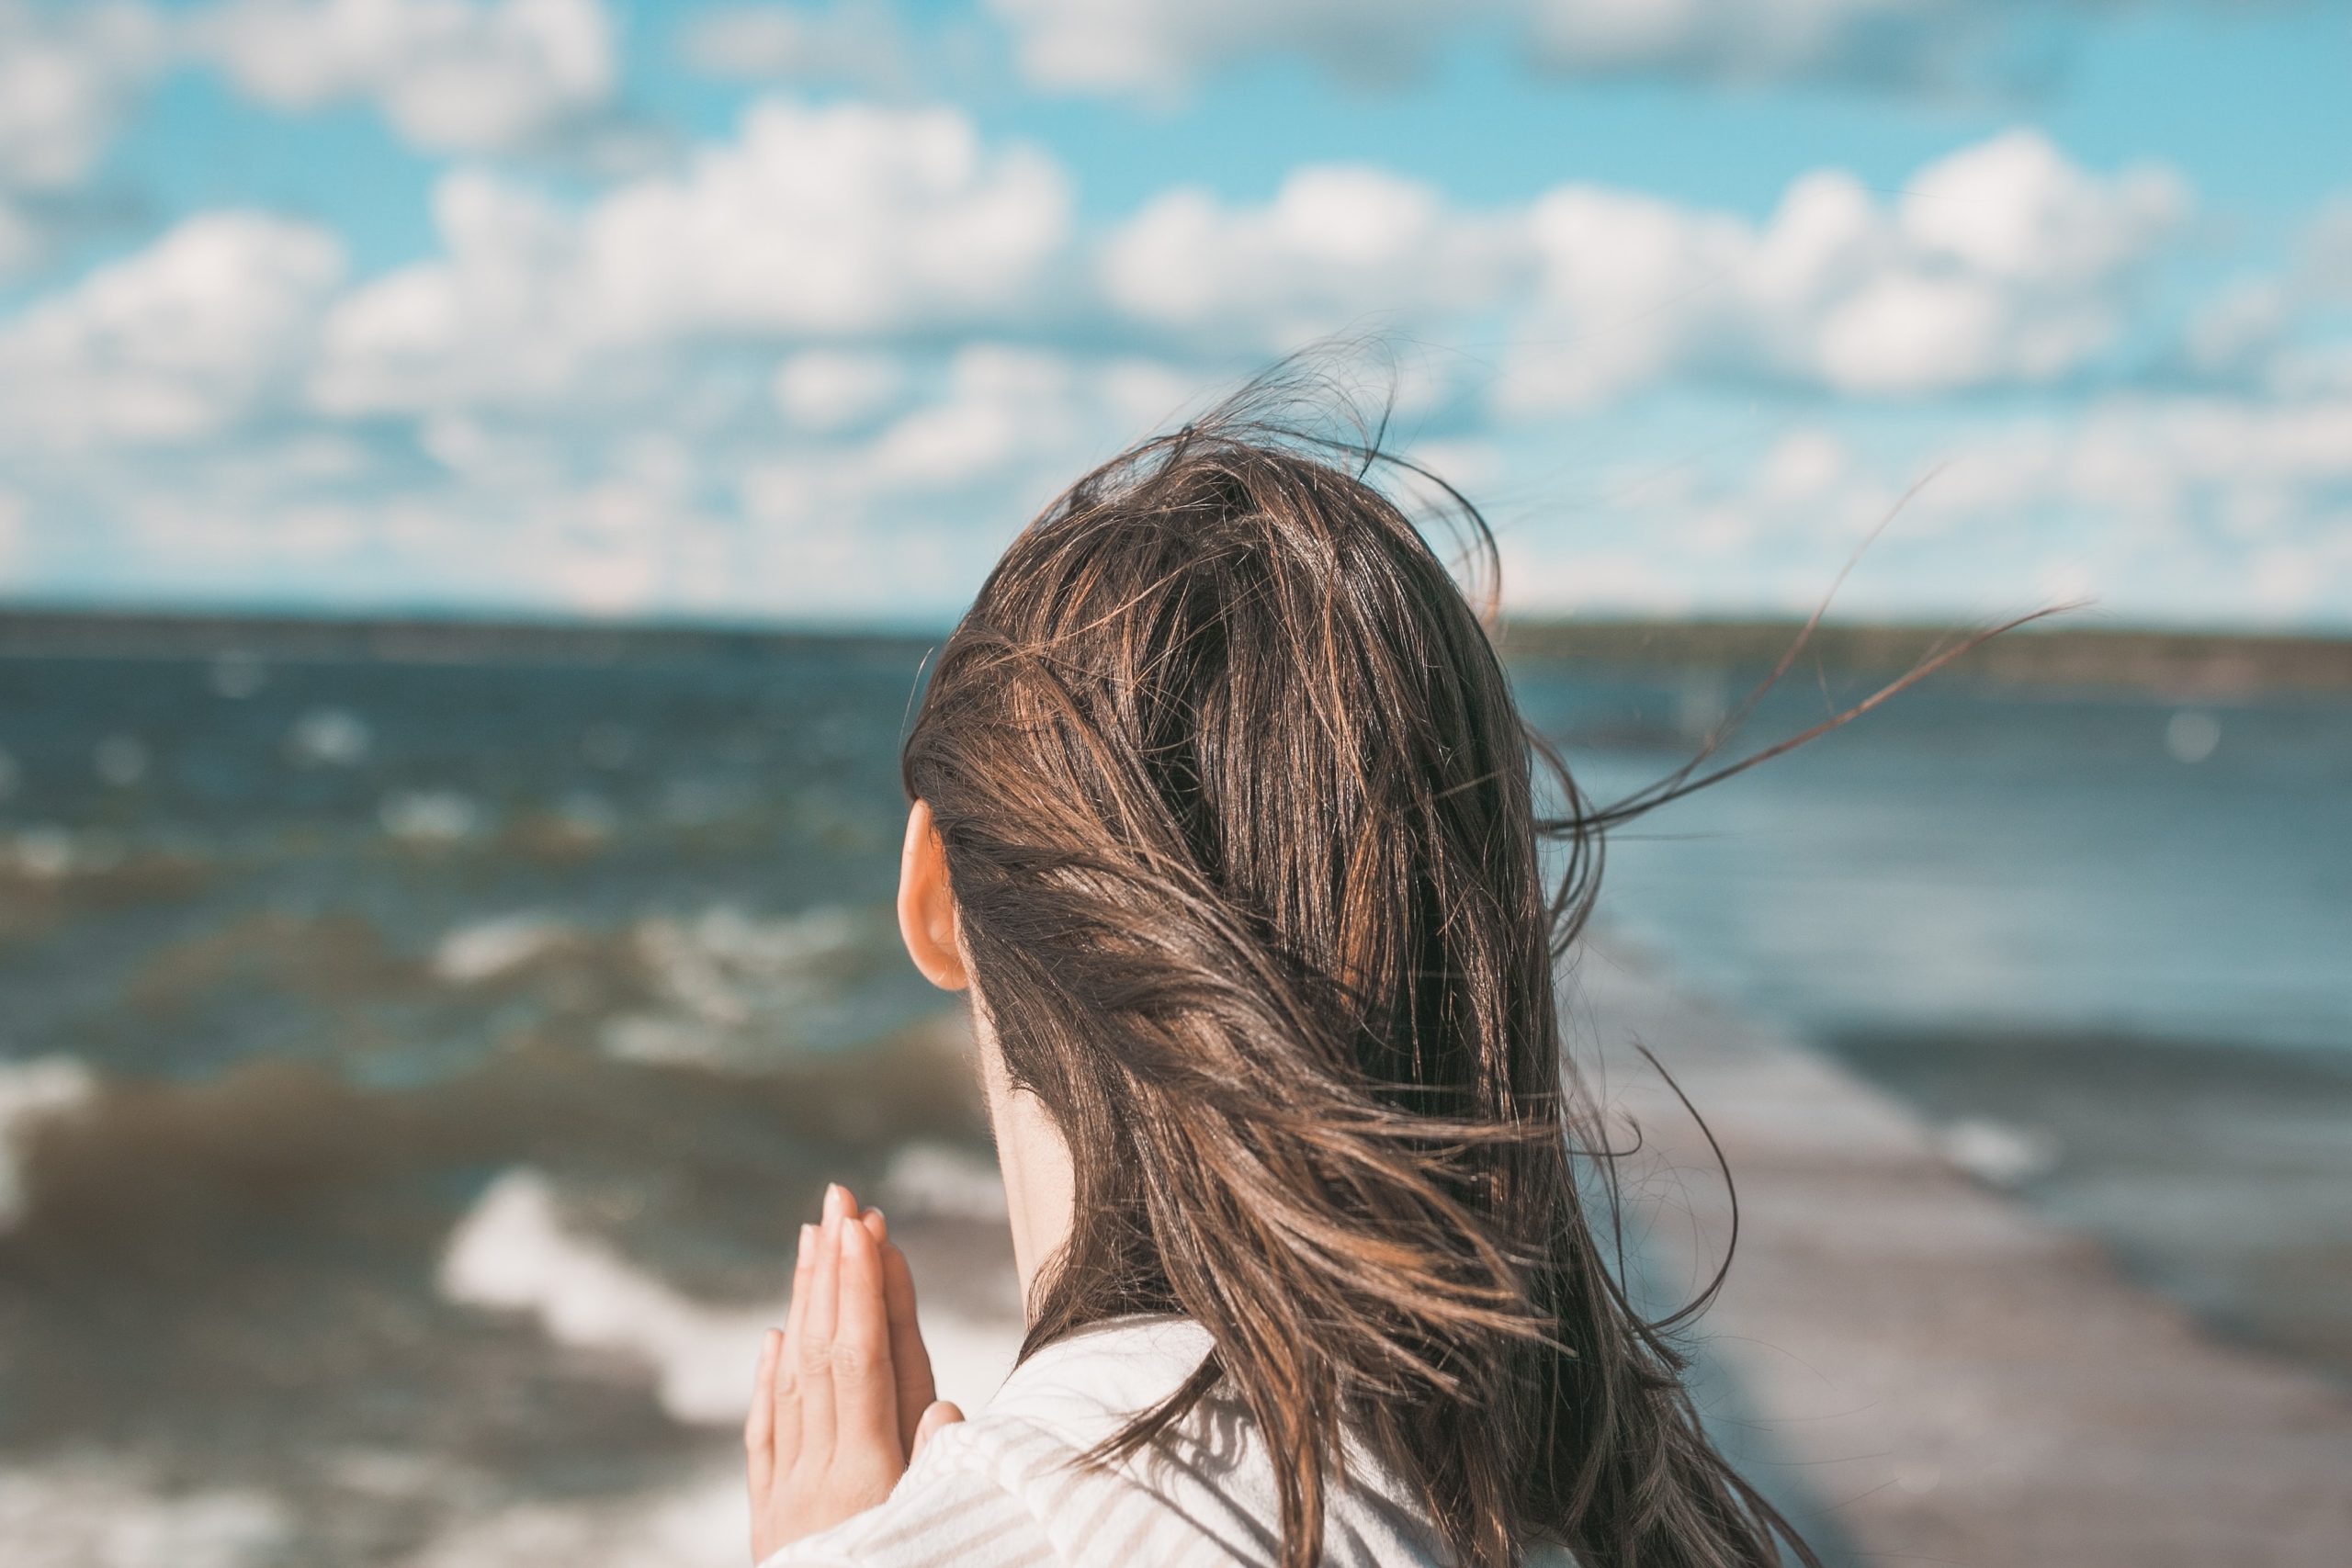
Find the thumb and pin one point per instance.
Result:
(940, 1414)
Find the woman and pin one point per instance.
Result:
(1223, 814)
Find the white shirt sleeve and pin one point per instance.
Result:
(951, 1508)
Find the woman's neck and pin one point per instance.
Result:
(1039, 1186)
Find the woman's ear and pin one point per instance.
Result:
(926, 906)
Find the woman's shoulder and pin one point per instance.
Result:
(1092, 1380)
(1036, 1437)
(1018, 1479)
(1014, 1478)
(1208, 1483)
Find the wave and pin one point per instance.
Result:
(514, 1251)
(485, 950)
(720, 986)
(697, 1525)
(85, 1511)
(32, 1093)
(1999, 1154)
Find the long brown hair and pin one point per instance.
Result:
(1244, 831)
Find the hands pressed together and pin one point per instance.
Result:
(843, 1396)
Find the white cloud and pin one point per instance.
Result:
(22, 238)
(1624, 281)
(2003, 263)
(66, 78)
(2016, 208)
(648, 508)
(1335, 243)
(864, 42)
(2156, 507)
(176, 342)
(1871, 41)
(451, 75)
(2284, 331)
(828, 365)
(14, 532)
(827, 390)
(814, 223)
(911, 514)
(1160, 46)
(2325, 262)
(463, 75)
(1030, 420)
(1111, 45)
(566, 408)
(596, 538)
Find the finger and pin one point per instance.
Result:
(909, 1356)
(815, 1367)
(866, 1392)
(796, 1313)
(785, 1386)
(942, 1412)
(909, 1359)
(759, 1425)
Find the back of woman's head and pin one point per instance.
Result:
(1238, 813)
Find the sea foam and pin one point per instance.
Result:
(487, 949)
(105, 1514)
(514, 1251)
(30, 1093)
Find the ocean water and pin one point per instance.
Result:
(410, 1078)
(410, 1074)
(2102, 938)
(2001, 862)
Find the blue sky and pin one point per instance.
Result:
(793, 312)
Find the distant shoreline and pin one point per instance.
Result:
(417, 639)
(2175, 663)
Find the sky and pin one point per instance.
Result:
(795, 312)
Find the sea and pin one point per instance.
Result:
(413, 1069)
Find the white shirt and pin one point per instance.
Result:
(1002, 1488)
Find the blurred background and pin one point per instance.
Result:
(479, 479)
